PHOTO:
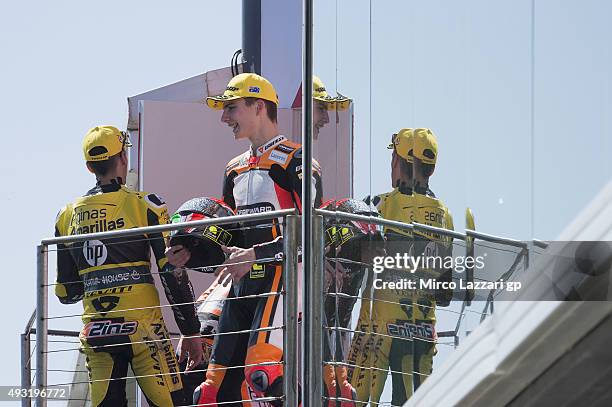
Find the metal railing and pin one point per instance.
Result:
(42, 301)
(26, 359)
(313, 313)
(523, 256)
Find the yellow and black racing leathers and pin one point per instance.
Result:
(406, 316)
(114, 280)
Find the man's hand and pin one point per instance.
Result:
(178, 255)
(237, 264)
(190, 348)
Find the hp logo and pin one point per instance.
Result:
(95, 252)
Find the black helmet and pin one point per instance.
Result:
(204, 243)
(351, 245)
(346, 235)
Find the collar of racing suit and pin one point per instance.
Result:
(421, 190)
(405, 190)
(425, 191)
(115, 186)
(273, 142)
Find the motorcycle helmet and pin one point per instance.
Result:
(347, 235)
(205, 242)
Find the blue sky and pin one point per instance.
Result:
(66, 67)
(464, 69)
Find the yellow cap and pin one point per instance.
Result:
(245, 85)
(103, 142)
(342, 102)
(425, 146)
(403, 142)
(320, 93)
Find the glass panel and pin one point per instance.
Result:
(517, 96)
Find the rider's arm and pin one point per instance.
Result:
(177, 286)
(69, 288)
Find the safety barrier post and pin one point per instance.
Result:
(529, 255)
(26, 371)
(41, 323)
(290, 335)
(314, 313)
(26, 360)
(308, 299)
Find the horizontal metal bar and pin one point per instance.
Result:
(390, 223)
(75, 334)
(496, 239)
(441, 231)
(540, 243)
(28, 327)
(259, 400)
(252, 217)
(412, 226)
(56, 332)
(113, 311)
(363, 218)
(386, 371)
(265, 260)
(372, 403)
(198, 335)
(443, 309)
(373, 333)
(112, 379)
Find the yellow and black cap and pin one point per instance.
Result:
(425, 146)
(245, 85)
(319, 92)
(403, 143)
(103, 142)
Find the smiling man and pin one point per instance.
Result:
(322, 104)
(265, 178)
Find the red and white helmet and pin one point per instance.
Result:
(204, 243)
(347, 235)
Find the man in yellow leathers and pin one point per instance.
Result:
(112, 277)
(398, 326)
